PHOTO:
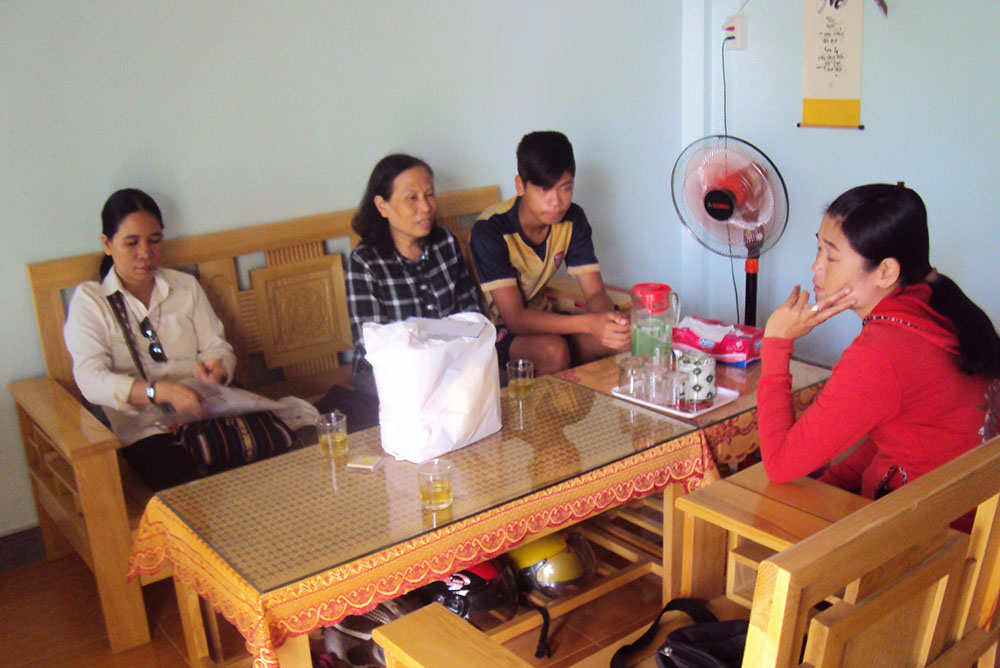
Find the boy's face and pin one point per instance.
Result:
(540, 206)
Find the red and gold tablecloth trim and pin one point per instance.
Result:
(267, 620)
(732, 440)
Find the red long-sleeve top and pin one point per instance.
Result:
(897, 389)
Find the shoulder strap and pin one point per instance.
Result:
(117, 301)
(692, 608)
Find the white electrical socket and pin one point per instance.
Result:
(736, 27)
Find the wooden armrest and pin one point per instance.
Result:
(73, 431)
(569, 297)
(435, 637)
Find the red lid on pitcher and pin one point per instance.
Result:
(652, 297)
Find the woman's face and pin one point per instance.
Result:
(136, 248)
(411, 207)
(838, 266)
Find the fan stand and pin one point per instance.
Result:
(751, 267)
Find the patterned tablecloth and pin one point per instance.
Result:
(287, 545)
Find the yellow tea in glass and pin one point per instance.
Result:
(519, 388)
(331, 432)
(434, 484)
(333, 444)
(520, 378)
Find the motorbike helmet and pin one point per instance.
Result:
(555, 564)
(351, 638)
(476, 590)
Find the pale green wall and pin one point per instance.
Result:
(233, 113)
(236, 113)
(930, 103)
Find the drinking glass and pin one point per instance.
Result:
(520, 377)
(434, 484)
(331, 430)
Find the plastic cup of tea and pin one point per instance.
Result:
(520, 378)
(331, 431)
(434, 484)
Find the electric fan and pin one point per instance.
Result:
(732, 198)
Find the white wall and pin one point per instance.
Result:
(237, 113)
(233, 113)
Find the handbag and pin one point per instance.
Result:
(220, 443)
(708, 643)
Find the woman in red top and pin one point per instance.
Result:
(911, 389)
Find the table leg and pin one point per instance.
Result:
(703, 563)
(295, 653)
(189, 604)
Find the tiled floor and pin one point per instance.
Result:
(52, 618)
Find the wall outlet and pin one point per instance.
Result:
(736, 27)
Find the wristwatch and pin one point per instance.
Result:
(151, 392)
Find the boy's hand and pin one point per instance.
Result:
(612, 329)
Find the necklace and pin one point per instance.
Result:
(889, 318)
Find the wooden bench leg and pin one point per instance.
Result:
(103, 503)
(55, 542)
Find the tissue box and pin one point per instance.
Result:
(739, 348)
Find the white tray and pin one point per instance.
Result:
(723, 396)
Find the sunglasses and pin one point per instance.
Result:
(155, 347)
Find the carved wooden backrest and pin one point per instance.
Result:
(288, 313)
(905, 589)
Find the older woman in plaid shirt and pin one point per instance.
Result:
(405, 264)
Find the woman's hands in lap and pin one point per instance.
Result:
(210, 371)
(183, 399)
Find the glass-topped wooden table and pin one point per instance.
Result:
(290, 544)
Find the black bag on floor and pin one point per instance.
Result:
(708, 643)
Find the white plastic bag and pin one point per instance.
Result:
(437, 382)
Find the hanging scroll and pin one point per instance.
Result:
(831, 64)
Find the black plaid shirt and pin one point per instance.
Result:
(386, 290)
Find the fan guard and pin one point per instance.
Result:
(730, 196)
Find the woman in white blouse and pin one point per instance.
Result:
(175, 332)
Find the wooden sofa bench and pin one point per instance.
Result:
(278, 288)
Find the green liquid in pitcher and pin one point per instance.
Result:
(649, 336)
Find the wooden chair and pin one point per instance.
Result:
(905, 589)
(890, 584)
(288, 325)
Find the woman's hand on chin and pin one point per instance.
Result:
(795, 317)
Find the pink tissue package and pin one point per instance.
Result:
(739, 349)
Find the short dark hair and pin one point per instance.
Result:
(122, 204)
(882, 221)
(372, 226)
(543, 157)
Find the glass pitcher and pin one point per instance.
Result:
(656, 310)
